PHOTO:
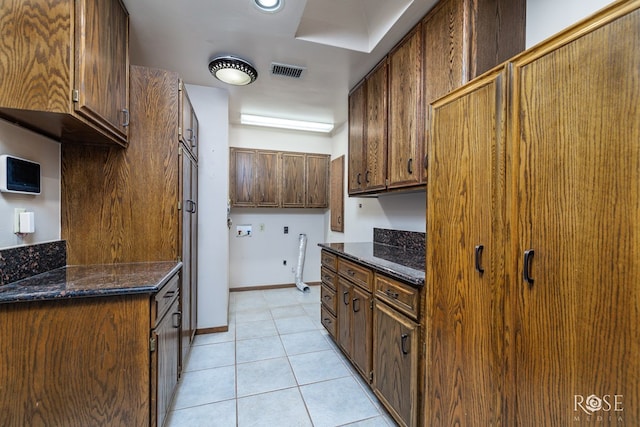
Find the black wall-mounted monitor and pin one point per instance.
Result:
(19, 175)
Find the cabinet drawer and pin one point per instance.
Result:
(399, 295)
(359, 275)
(328, 320)
(163, 299)
(329, 278)
(329, 260)
(328, 298)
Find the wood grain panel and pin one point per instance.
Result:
(121, 205)
(395, 363)
(577, 203)
(242, 176)
(267, 179)
(293, 178)
(375, 174)
(406, 127)
(361, 331)
(344, 335)
(77, 362)
(357, 137)
(317, 180)
(336, 194)
(465, 326)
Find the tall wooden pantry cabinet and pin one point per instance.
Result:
(534, 200)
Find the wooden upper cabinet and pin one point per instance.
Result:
(267, 179)
(375, 151)
(406, 128)
(357, 111)
(336, 194)
(242, 180)
(293, 176)
(317, 180)
(66, 69)
(188, 130)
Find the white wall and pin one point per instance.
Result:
(258, 260)
(212, 108)
(547, 17)
(23, 143)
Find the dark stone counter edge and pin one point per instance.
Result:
(57, 295)
(415, 281)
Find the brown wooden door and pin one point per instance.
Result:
(406, 127)
(188, 130)
(395, 363)
(336, 198)
(102, 64)
(293, 177)
(267, 177)
(357, 134)
(345, 327)
(361, 312)
(189, 248)
(576, 207)
(167, 350)
(464, 330)
(243, 170)
(375, 152)
(317, 181)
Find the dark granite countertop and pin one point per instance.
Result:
(90, 281)
(396, 262)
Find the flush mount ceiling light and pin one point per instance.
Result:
(233, 70)
(269, 5)
(248, 119)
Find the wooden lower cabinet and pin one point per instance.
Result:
(396, 353)
(354, 325)
(89, 361)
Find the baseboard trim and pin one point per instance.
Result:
(212, 330)
(267, 287)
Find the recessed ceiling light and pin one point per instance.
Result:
(233, 70)
(269, 5)
(248, 119)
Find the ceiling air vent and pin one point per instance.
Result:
(286, 70)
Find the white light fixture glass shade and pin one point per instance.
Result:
(269, 5)
(248, 119)
(232, 70)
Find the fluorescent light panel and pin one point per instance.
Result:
(248, 119)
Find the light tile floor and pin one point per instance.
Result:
(276, 366)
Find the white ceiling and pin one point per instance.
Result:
(337, 41)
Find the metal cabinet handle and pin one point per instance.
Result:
(478, 259)
(391, 294)
(345, 298)
(526, 270)
(356, 300)
(350, 272)
(366, 176)
(127, 117)
(169, 294)
(327, 320)
(339, 219)
(358, 179)
(327, 297)
(410, 166)
(426, 160)
(403, 343)
(177, 319)
(194, 141)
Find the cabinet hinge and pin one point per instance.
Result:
(386, 182)
(179, 131)
(179, 206)
(371, 304)
(371, 376)
(152, 344)
(75, 95)
(180, 150)
(179, 85)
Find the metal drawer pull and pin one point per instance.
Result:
(350, 272)
(526, 270)
(478, 259)
(327, 320)
(327, 297)
(358, 180)
(391, 294)
(169, 294)
(326, 277)
(410, 166)
(127, 117)
(356, 300)
(177, 319)
(403, 342)
(345, 298)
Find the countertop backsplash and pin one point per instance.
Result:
(414, 241)
(25, 261)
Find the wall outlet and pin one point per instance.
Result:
(16, 219)
(284, 262)
(286, 230)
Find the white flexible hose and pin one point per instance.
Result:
(302, 247)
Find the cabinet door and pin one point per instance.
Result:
(375, 174)
(166, 354)
(317, 181)
(189, 248)
(361, 315)
(357, 133)
(293, 176)
(406, 128)
(343, 295)
(243, 169)
(267, 177)
(464, 333)
(576, 207)
(188, 130)
(102, 64)
(336, 198)
(395, 363)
